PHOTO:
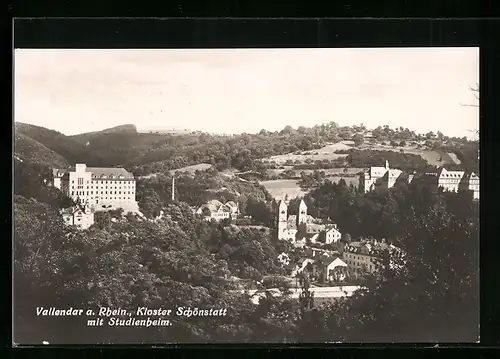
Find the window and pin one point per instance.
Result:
(72, 193)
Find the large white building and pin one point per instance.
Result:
(383, 176)
(454, 181)
(100, 187)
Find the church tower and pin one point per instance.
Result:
(282, 220)
(302, 217)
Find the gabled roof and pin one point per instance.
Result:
(212, 205)
(377, 171)
(336, 262)
(231, 204)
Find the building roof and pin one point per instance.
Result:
(292, 218)
(337, 262)
(330, 227)
(314, 227)
(377, 171)
(74, 209)
(231, 204)
(112, 173)
(212, 205)
(109, 173)
(369, 246)
(394, 173)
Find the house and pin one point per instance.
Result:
(103, 188)
(218, 211)
(379, 176)
(302, 264)
(365, 255)
(332, 234)
(81, 216)
(335, 269)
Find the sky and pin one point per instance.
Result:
(245, 90)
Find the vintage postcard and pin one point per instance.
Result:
(246, 196)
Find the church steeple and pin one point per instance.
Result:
(283, 211)
(386, 164)
(302, 218)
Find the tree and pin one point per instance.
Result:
(358, 139)
(475, 91)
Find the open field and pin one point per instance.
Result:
(433, 157)
(280, 188)
(303, 157)
(328, 172)
(325, 153)
(192, 169)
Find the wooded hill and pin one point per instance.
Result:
(147, 153)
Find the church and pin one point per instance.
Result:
(385, 176)
(288, 226)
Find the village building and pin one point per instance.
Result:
(288, 227)
(218, 211)
(366, 255)
(452, 181)
(103, 188)
(334, 269)
(302, 264)
(79, 215)
(379, 176)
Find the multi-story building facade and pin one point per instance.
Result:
(453, 181)
(364, 256)
(100, 187)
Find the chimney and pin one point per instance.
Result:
(173, 188)
(80, 167)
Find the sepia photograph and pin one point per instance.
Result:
(180, 196)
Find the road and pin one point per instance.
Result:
(319, 292)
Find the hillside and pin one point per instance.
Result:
(65, 146)
(320, 147)
(28, 149)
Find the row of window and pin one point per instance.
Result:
(80, 182)
(354, 256)
(97, 187)
(111, 198)
(361, 265)
(82, 193)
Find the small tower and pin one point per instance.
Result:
(386, 164)
(282, 220)
(302, 218)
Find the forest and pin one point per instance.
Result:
(147, 153)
